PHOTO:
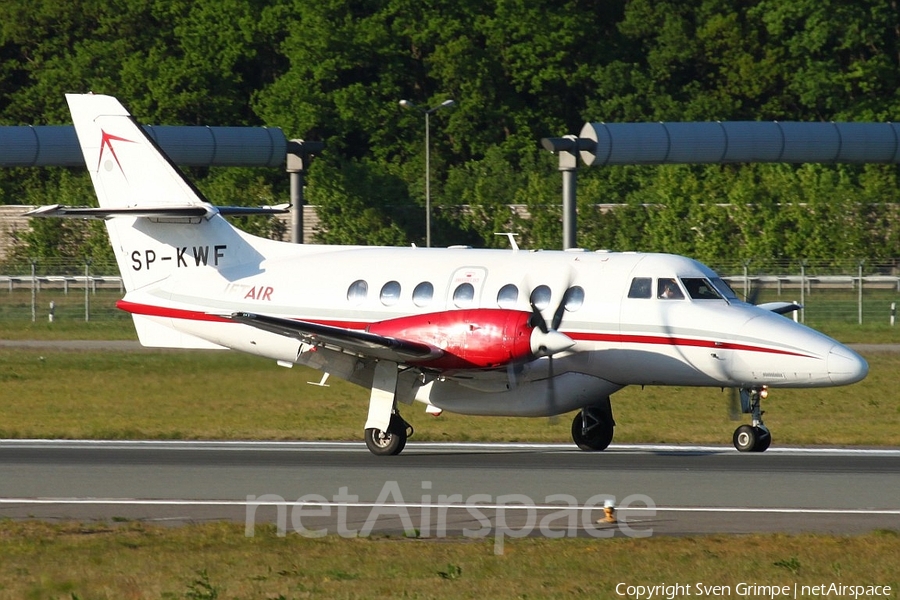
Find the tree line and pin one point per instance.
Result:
(518, 70)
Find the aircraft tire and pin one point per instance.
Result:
(597, 439)
(380, 443)
(746, 438)
(390, 443)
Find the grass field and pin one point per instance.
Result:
(208, 561)
(226, 395)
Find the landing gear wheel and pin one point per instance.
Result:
(755, 437)
(751, 439)
(594, 437)
(389, 443)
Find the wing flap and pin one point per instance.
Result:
(359, 342)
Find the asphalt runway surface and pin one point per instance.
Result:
(438, 490)
(470, 490)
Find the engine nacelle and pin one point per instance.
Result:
(480, 338)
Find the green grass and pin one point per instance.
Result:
(227, 395)
(137, 561)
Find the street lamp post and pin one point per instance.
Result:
(427, 112)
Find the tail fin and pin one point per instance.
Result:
(162, 223)
(126, 166)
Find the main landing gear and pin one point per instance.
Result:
(392, 441)
(755, 437)
(592, 428)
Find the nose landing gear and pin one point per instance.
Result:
(755, 437)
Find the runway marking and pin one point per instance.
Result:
(426, 446)
(451, 506)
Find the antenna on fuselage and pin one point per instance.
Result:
(512, 239)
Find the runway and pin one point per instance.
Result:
(472, 490)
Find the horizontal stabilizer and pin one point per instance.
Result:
(159, 211)
(153, 332)
(353, 340)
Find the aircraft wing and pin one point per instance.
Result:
(352, 340)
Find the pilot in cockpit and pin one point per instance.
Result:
(669, 290)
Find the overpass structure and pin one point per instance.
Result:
(599, 144)
(606, 144)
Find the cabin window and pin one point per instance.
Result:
(423, 294)
(464, 295)
(574, 298)
(699, 288)
(540, 297)
(357, 292)
(667, 289)
(390, 293)
(641, 287)
(508, 296)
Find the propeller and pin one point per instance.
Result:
(547, 340)
(753, 295)
(734, 404)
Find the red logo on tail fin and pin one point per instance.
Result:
(106, 141)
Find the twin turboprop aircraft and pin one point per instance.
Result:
(477, 332)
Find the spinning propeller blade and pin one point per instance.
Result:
(734, 404)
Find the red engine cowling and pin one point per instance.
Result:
(481, 338)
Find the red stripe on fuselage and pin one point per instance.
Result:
(612, 338)
(171, 313)
(659, 340)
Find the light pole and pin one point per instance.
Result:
(427, 112)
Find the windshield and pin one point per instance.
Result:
(699, 288)
(724, 288)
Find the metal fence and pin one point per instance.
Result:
(60, 289)
(852, 291)
(849, 292)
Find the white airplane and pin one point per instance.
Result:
(476, 332)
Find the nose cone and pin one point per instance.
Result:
(547, 344)
(845, 366)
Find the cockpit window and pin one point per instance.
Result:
(699, 288)
(640, 287)
(722, 286)
(667, 289)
